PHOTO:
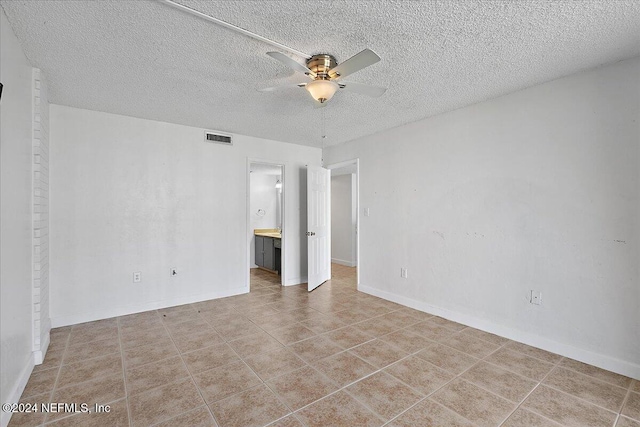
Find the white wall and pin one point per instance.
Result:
(16, 360)
(139, 195)
(342, 220)
(539, 189)
(262, 196)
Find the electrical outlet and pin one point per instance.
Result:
(536, 298)
(137, 276)
(173, 272)
(403, 273)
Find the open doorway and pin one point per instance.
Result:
(345, 222)
(265, 225)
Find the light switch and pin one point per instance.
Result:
(366, 211)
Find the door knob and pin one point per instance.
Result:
(310, 233)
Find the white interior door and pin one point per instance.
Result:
(318, 225)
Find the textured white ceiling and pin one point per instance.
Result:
(146, 59)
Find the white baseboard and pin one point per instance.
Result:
(39, 355)
(74, 319)
(295, 281)
(609, 363)
(343, 262)
(16, 391)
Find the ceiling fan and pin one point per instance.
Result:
(323, 69)
(327, 74)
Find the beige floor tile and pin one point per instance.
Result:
(384, 394)
(588, 388)
(292, 333)
(163, 403)
(417, 314)
(406, 340)
(140, 320)
(290, 421)
(302, 314)
(255, 344)
(151, 375)
(447, 358)
(189, 326)
(484, 336)
(348, 337)
(473, 403)
(343, 368)
(533, 352)
(323, 324)
(53, 358)
(500, 381)
(197, 339)
(400, 319)
(632, 406)
(138, 356)
(90, 369)
(209, 358)
(218, 383)
(520, 363)
(430, 413)
(470, 345)
(566, 409)
(338, 410)
(447, 323)
(598, 373)
(523, 418)
(273, 363)
(431, 330)
(199, 417)
(87, 334)
(175, 317)
(377, 326)
(238, 329)
(627, 422)
(379, 353)
(99, 391)
(140, 337)
(251, 408)
(118, 416)
(299, 388)
(419, 374)
(41, 382)
(32, 418)
(350, 316)
(636, 386)
(315, 348)
(80, 352)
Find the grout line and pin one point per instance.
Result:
(193, 381)
(531, 392)
(624, 402)
(124, 374)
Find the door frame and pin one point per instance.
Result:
(283, 232)
(338, 165)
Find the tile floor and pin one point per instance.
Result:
(335, 357)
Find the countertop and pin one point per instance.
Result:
(268, 232)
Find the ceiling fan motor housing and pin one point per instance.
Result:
(321, 64)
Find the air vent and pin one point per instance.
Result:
(217, 138)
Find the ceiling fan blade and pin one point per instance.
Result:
(373, 91)
(356, 63)
(289, 62)
(275, 88)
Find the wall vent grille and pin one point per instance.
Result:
(218, 138)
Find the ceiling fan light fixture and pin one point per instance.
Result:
(322, 90)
